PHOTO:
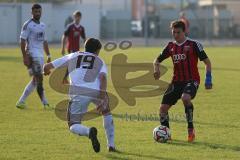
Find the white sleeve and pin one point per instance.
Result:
(25, 31)
(104, 69)
(63, 61)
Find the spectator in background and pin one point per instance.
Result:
(72, 34)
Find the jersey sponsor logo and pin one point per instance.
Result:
(76, 33)
(40, 36)
(179, 57)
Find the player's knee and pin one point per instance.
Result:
(73, 128)
(186, 99)
(164, 108)
(38, 78)
(106, 112)
(34, 80)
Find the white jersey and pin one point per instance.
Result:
(84, 69)
(35, 35)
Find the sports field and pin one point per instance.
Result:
(35, 133)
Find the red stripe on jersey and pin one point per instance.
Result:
(188, 64)
(176, 72)
(183, 64)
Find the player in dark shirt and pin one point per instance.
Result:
(72, 35)
(184, 53)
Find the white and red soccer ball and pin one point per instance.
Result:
(161, 134)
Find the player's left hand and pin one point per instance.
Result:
(156, 75)
(208, 80)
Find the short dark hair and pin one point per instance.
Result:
(178, 24)
(92, 45)
(36, 6)
(77, 13)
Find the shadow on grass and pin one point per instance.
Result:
(205, 144)
(136, 156)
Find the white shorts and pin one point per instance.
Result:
(77, 109)
(36, 66)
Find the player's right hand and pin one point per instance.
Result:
(46, 70)
(26, 60)
(156, 75)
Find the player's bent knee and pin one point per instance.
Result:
(164, 108)
(38, 78)
(186, 99)
(106, 113)
(73, 129)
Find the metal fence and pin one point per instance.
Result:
(109, 22)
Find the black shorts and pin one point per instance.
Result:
(176, 89)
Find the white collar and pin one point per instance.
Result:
(179, 44)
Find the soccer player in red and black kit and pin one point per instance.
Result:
(74, 31)
(185, 53)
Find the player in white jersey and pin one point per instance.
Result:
(88, 84)
(33, 44)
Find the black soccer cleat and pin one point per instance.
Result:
(93, 137)
(112, 149)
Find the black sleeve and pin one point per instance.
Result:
(67, 30)
(164, 55)
(200, 52)
(83, 33)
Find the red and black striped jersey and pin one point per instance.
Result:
(74, 32)
(185, 59)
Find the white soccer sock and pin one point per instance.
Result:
(109, 130)
(27, 91)
(79, 129)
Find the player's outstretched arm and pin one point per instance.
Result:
(60, 62)
(208, 78)
(46, 49)
(156, 69)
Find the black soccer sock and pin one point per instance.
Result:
(40, 90)
(164, 119)
(189, 115)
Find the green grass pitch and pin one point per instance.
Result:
(35, 133)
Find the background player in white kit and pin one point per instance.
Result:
(33, 43)
(88, 83)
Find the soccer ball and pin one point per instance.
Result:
(161, 134)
